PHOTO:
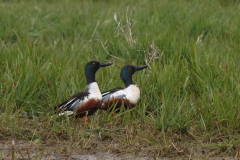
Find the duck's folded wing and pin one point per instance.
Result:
(116, 92)
(70, 104)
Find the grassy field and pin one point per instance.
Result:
(190, 94)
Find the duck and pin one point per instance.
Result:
(87, 102)
(127, 97)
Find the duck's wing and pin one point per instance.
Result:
(68, 106)
(107, 94)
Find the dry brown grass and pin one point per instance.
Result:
(43, 137)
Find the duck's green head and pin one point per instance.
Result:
(127, 72)
(91, 68)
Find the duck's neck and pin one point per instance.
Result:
(127, 80)
(90, 76)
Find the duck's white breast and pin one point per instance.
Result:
(94, 91)
(132, 93)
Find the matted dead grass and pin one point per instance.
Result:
(48, 139)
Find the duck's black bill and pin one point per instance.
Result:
(105, 64)
(138, 68)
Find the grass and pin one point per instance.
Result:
(189, 93)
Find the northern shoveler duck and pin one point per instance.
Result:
(87, 102)
(128, 96)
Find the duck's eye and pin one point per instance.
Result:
(93, 63)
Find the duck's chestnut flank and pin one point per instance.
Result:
(116, 103)
(89, 106)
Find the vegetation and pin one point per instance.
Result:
(189, 94)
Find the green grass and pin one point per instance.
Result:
(191, 86)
